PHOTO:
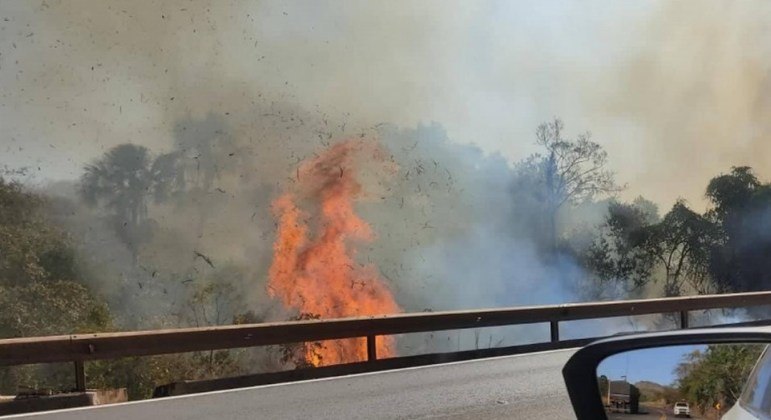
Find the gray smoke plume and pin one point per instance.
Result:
(655, 82)
(244, 92)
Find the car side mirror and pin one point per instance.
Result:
(708, 373)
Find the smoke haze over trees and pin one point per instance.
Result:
(183, 238)
(143, 147)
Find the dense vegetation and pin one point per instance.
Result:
(720, 251)
(145, 241)
(717, 374)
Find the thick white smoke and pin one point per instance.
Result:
(274, 82)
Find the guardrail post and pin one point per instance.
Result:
(555, 331)
(80, 376)
(371, 348)
(683, 319)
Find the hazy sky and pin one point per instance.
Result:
(655, 364)
(674, 91)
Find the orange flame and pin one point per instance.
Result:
(314, 269)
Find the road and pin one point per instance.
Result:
(658, 413)
(512, 387)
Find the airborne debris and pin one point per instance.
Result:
(205, 258)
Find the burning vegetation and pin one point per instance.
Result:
(314, 267)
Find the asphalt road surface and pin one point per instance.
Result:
(649, 413)
(512, 387)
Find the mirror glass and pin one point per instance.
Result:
(709, 381)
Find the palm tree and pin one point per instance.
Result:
(122, 181)
(207, 148)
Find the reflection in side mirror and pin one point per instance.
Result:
(710, 381)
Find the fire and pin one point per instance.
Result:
(314, 269)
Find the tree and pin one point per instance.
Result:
(206, 148)
(716, 374)
(529, 197)
(741, 208)
(619, 253)
(219, 298)
(732, 192)
(680, 243)
(572, 171)
(632, 245)
(167, 176)
(122, 181)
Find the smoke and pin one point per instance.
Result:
(696, 85)
(244, 92)
(655, 82)
(451, 232)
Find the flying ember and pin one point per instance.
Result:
(314, 269)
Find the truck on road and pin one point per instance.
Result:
(622, 397)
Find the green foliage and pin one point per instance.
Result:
(633, 246)
(680, 243)
(141, 375)
(50, 308)
(670, 395)
(732, 192)
(30, 248)
(742, 212)
(619, 253)
(219, 298)
(41, 292)
(724, 250)
(717, 374)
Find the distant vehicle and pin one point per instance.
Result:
(755, 401)
(592, 402)
(682, 409)
(622, 396)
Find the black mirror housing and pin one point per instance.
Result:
(580, 371)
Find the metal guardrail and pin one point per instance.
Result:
(80, 348)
